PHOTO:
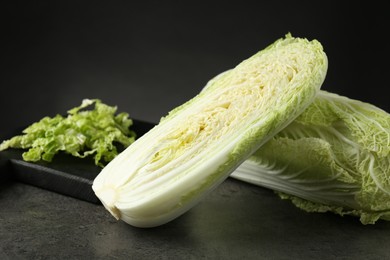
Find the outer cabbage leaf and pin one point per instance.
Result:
(334, 157)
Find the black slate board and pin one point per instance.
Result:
(66, 174)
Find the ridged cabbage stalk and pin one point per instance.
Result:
(334, 157)
(199, 144)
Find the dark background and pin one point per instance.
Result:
(149, 57)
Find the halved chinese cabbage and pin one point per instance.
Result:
(197, 145)
(334, 157)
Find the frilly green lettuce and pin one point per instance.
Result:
(90, 132)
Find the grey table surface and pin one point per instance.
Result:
(236, 221)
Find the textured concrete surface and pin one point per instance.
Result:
(237, 221)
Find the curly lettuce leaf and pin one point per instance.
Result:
(85, 131)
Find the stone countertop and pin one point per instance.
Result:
(236, 221)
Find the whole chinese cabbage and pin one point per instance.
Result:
(334, 157)
(197, 145)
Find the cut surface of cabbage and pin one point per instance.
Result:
(197, 145)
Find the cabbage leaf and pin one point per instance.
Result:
(334, 157)
(83, 132)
